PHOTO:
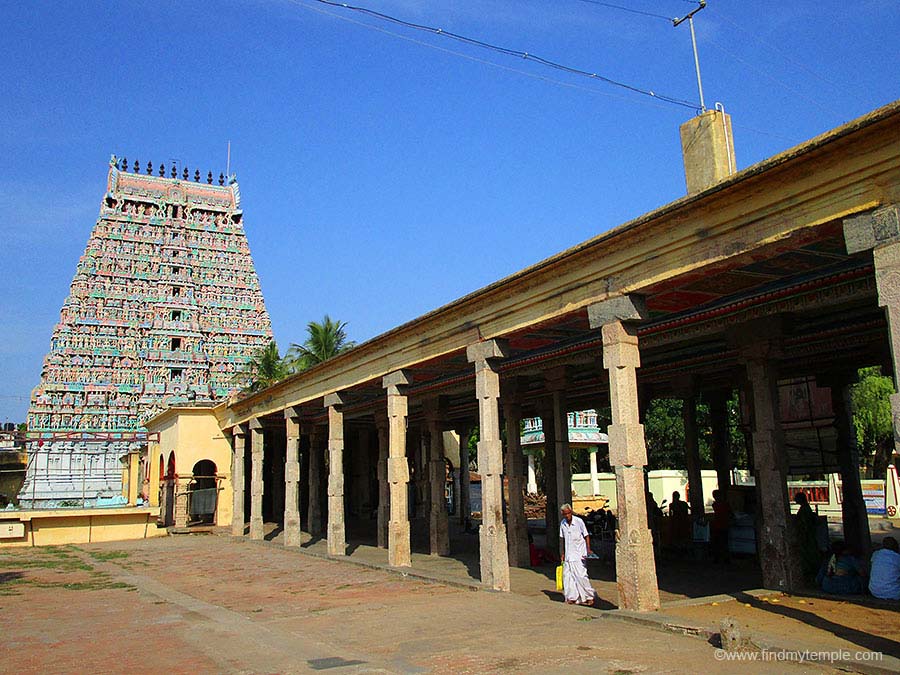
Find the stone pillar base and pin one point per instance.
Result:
(438, 520)
(494, 557)
(336, 543)
(257, 530)
(292, 531)
(636, 573)
(398, 544)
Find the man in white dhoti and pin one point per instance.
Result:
(575, 545)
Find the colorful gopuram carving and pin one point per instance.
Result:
(165, 307)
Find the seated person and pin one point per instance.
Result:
(884, 571)
(843, 573)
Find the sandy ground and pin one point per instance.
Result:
(213, 604)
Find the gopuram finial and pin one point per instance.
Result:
(184, 174)
(197, 175)
(137, 167)
(113, 162)
(162, 169)
(124, 164)
(221, 179)
(209, 178)
(149, 168)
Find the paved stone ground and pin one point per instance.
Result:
(213, 604)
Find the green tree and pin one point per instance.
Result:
(265, 368)
(323, 340)
(873, 420)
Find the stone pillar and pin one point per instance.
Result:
(438, 518)
(292, 478)
(337, 542)
(635, 564)
(548, 465)
(257, 450)
(516, 523)
(777, 554)
(396, 384)
(238, 442)
(316, 460)
(853, 507)
(492, 534)
(361, 495)
(692, 456)
(595, 477)
(384, 489)
(532, 476)
(721, 441)
(465, 504)
(421, 440)
(557, 381)
(879, 231)
(180, 512)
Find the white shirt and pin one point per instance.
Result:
(573, 535)
(884, 575)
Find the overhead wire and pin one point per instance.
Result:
(475, 59)
(771, 77)
(508, 52)
(628, 9)
(773, 47)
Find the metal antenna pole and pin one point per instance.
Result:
(690, 20)
(228, 161)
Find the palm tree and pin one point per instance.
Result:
(323, 340)
(265, 368)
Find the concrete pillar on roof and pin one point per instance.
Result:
(257, 452)
(384, 490)
(708, 150)
(336, 537)
(396, 384)
(878, 230)
(516, 523)
(854, 517)
(238, 442)
(492, 534)
(315, 514)
(292, 478)
(635, 565)
(720, 439)
(759, 345)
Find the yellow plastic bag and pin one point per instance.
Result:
(559, 578)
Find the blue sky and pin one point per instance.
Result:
(384, 174)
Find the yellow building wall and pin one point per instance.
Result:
(194, 435)
(82, 526)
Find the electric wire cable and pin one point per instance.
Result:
(628, 9)
(510, 52)
(764, 73)
(475, 59)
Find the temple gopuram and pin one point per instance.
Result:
(165, 307)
